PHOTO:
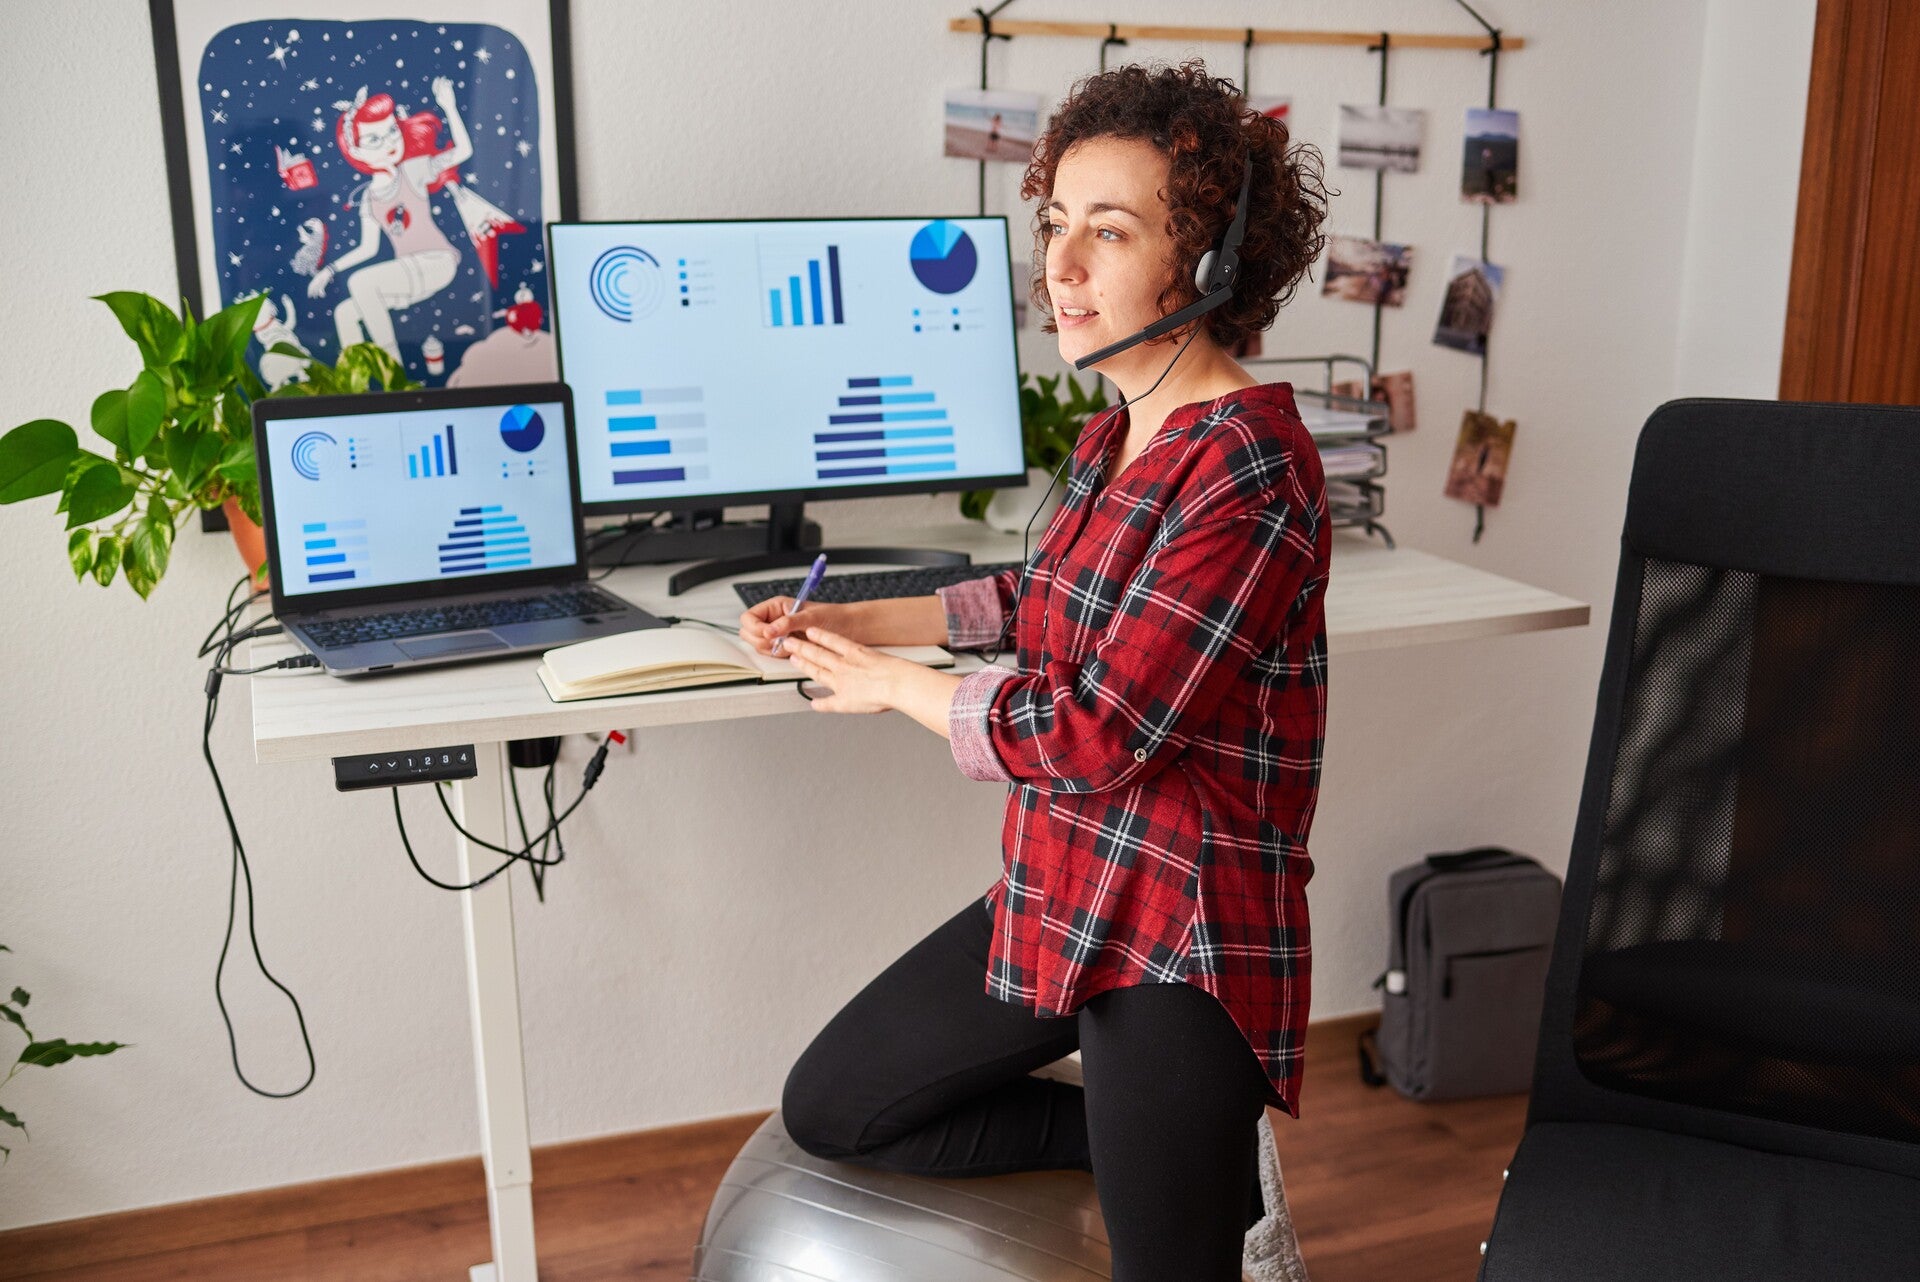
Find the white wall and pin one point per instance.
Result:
(687, 952)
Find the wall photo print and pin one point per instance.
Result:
(382, 173)
(1466, 309)
(991, 124)
(1381, 137)
(1478, 472)
(1490, 163)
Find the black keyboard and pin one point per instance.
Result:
(874, 585)
(566, 603)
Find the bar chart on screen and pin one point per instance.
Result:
(883, 425)
(800, 284)
(433, 454)
(657, 434)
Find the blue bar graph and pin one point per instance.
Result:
(436, 458)
(896, 451)
(485, 538)
(333, 550)
(803, 286)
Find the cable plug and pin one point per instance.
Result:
(599, 760)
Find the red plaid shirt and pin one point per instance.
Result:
(1162, 734)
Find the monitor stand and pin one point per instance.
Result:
(785, 540)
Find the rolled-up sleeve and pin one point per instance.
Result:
(967, 724)
(977, 609)
(1192, 617)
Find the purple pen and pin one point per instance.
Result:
(806, 590)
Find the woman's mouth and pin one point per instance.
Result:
(1074, 317)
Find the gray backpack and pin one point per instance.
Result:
(1470, 936)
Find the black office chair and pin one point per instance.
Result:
(1728, 1078)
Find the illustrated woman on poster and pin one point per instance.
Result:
(404, 170)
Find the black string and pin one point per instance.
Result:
(1379, 198)
(987, 36)
(1492, 55)
(1113, 38)
(1246, 65)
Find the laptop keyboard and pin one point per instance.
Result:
(567, 603)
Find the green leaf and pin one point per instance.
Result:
(227, 332)
(15, 1018)
(106, 559)
(13, 1120)
(146, 408)
(59, 1051)
(110, 418)
(99, 491)
(80, 551)
(147, 550)
(34, 459)
(150, 323)
(22, 996)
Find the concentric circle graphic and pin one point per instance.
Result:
(626, 283)
(306, 453)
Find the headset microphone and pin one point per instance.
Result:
(1214, 278)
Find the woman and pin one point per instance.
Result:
(1161, 733)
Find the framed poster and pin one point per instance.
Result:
(382, 172)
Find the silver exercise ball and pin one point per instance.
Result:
(783, 1215)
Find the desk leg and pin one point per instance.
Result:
(493, 1000)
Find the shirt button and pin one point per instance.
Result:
(1139, 754)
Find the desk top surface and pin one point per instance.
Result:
(1377, 599)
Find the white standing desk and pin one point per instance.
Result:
(1377, 599)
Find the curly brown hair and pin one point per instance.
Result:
(1202, 124)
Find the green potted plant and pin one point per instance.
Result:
(1050, 425)
(182, 438)
(37, 1053)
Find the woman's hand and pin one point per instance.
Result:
(321, 279)
(763, 624)
(862, 679)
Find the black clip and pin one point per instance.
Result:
(1112, 38)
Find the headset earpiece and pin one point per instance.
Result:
(1204, 272)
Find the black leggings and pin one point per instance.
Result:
(924, 1072)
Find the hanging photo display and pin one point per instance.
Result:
(1466, 309)
(1490, 166)
(1381, 138)
(379, 179)
(1478, 472)
(1366, 271)
(992, 124)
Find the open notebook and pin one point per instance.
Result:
(676, 658)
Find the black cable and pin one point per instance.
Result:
(239, 869)
(1026, 556)
(1492, 55)
(1112, 38)
(401, 823)
(987, 36)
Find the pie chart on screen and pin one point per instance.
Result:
(523, 429)
(943, 257)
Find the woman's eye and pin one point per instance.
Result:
(1108, 231)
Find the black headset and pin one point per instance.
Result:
(1214, 277)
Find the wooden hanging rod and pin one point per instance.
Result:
(1232, 35)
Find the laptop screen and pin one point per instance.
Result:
(418, 495)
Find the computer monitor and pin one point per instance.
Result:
(778, 361)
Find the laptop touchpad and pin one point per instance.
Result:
(458, 643)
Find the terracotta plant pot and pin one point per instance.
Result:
(250, 539)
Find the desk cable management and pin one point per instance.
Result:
(220, 642)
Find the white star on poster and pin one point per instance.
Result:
(523, 147)
(279, 55)
(219, 116)
(484, 54)
(310, 84)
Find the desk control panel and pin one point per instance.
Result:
(390, 769)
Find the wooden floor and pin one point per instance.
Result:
(1380, 1188)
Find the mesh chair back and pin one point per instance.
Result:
(1739, 951)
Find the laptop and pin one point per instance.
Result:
(413, 528)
